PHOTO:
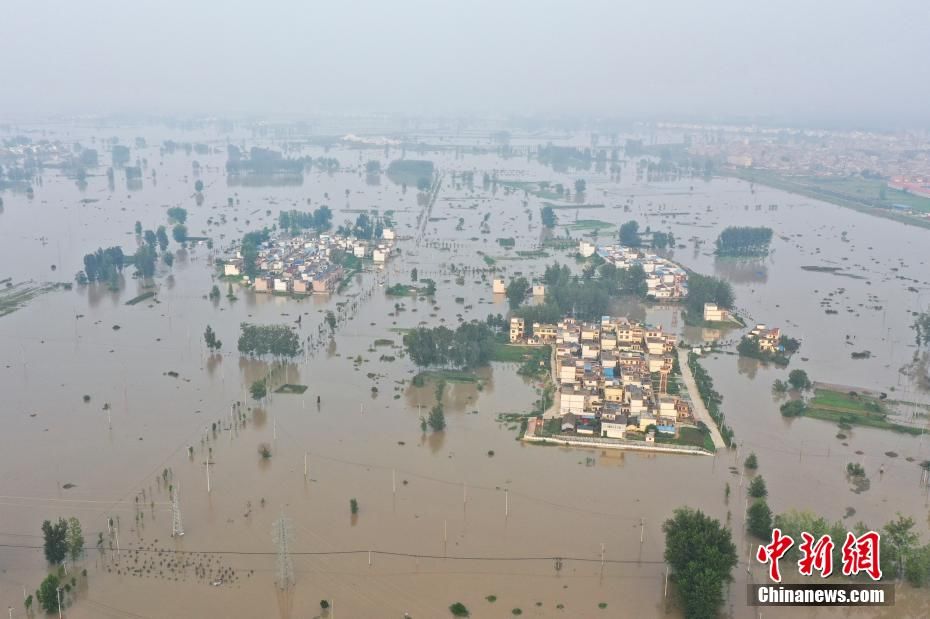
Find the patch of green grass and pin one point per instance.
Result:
(140, 298)
(693, 437)
(846, 408)
(451, 376)
(864, 195)
(589, 224)
(511, 353)
(291, 388)
(567, 207)
(829, 399)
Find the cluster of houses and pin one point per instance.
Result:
(665, 280)
(612, 376)
(303, 264)
(769, 339)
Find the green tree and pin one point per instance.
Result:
(549, 218)
(757, 488)
(353, 506)
(437, 418)
(150, 238)
(258, 389)
(798, 380)
(580, 185)
(759, 519)
(793, 408)
(48, 593)
(744, 241)
(198, 186)
(701, 552)
(459, 610)
(138, 228)
(177, 214)
(516, 291)
(413, 274)
(215, 293)
(917, 566)
(428, 289)
(162, 236)
(629, 234)
(899, 540)
(274, 340)
(179, 232)
(751, 462)
(210, 338)
(75, 539)
(705, 289)
(144, 260)
(55, 540)
(331, 321)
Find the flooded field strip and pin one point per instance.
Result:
(458, 484)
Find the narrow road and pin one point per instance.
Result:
(700, 411)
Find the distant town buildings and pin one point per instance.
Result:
(917, 185)
(303, 264)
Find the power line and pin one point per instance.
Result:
(384, 553)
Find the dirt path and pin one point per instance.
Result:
(700, 411)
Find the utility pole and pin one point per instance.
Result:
(306, 470)
(642, 530)
(208, 474)
(177, 529)
(506, 502)
(58, 591)
(283, 536)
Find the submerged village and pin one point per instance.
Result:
(276, 371)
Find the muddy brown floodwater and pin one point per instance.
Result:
(443, 519)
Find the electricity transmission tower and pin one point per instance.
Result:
(283, 535)
(177, 529)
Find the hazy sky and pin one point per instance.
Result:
(860, 61)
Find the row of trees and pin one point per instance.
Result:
(209, 336)
(702, 554)
(63, 539)
(586, 297)
(706, 289)
(103, 264)
(366, 227)
(249, 250)
(274, 340)
(549, 219)
(470, 345)
(744, 241)
(319, 219)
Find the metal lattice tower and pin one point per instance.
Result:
(283, 536)
(177, 529)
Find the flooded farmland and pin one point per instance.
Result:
(107, 404)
